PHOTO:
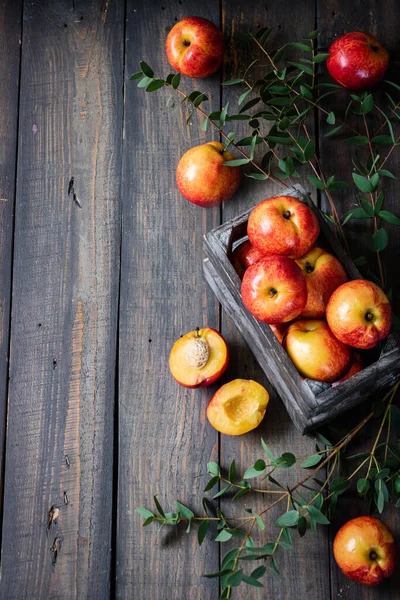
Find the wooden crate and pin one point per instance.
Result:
(309, 403)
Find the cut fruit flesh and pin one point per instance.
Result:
(238, 407)
(182, 359)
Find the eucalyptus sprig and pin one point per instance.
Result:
(308, 503)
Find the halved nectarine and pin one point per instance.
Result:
(238, 407)
(199, 358)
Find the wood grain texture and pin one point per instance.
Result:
(10, 37)
(165, 440)
(382, 19)
(291, 21)
(64, 316)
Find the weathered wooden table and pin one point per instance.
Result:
(93, 291)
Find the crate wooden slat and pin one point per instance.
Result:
(309, 403)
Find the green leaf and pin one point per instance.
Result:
(252, 472)
(232, 82)
(338, 185)
(382, 474)
(363, 486)
(222, 492)
(204, 125)
(389, 217)
(148, 71)
(249, 104)
(148, 521)
(237, 162)
(251, 581)
(252, 146)
(243, 97)
(213, 482)
(358, 140)
(229, 556)
(382, 139)
(232, 472)
(380, 502)
(317, 516)
(333, 131)
(300, 46)
(309, 150)
(260, 522)
(158, 505)
(339, 485)
(137, 75)
(267, 450)
(202, 531)
(143, 512)
(305, 92)
(213, 468)
(303, 68)
(366, 206)
(367, 105)
(235, 579)
(347, 218)
(397, 503)
(156, 84)
(144, 82)
(375, 179)
(311, 461)
(279, 139)
(397, 485)
(363, 183)
(302, 526)
(320, 57)
(285, 461)
(288, 519)
(258, 572)
(378, 203)
(386, 173)
(280, 101)
(224, 112)
(199, 99)
(313, 34)
(316, 182)
(223, 536)
(184, 510)
(216, 574)
(176, 80)
(359, 213)
(260, 176)
(379, 240)
(242, 492)
(331, 119)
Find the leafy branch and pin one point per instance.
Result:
(308, 503)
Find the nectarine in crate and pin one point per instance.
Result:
(309, 403)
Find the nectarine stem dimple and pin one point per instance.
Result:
(369, 316)
(286, 214)
(309, 268)
(272, 292)
(186, 43)
(373, 555)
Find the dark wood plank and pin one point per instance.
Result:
(65, 293)
(164, 438)
(292, 20)
(10, 36)
(382, 20)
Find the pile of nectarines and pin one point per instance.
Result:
(302, 291)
